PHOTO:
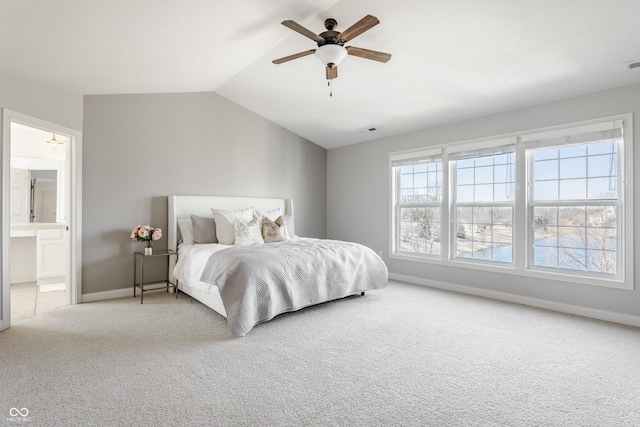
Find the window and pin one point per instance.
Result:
(482, 203)
(575, 205)
(553, 203)
(418, 204)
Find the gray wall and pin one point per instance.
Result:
(358, 197)
(41, 101)
(140, 148)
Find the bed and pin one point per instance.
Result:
(250, 276)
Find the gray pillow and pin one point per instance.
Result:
(204, 230)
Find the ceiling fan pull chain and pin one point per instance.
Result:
(330, 88)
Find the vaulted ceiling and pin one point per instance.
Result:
(452, 59)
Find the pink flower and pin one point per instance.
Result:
(143, 233)
(157, 234)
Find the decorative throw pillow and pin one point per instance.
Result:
(274, 231)
(247, 233)
(204, 230)
(225, 220)
(186, 231)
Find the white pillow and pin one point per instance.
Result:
(248, 233)
(186, 231)
(272, 214)
(289, 223)
(225, 223)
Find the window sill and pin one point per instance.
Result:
(615, 283)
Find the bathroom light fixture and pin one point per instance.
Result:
(55, 143)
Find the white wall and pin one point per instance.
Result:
(140, 148)
(358, 197)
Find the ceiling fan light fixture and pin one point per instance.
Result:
(331, 54)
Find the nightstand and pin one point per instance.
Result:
(138, 259)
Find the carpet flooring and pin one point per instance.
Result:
(402, 356)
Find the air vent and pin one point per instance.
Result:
(370, 129)
(633, 64)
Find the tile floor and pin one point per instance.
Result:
(27, 300)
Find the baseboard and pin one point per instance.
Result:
(24, 279)
(105, 295)
(610, 316)
(48, 287)
(113, 294)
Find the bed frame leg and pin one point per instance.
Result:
(362, 293)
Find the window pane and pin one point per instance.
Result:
(464, 176)
(602, 261)
(406, 181)
(420, 183)
(584, 239)
(545, 190)
(464, 193)
(571, 237)
(573, 189)
(545, 154)
(571, 215)
(545, 216)
(545, 256)
(573, 168)
(487, 178)
(605, 147)
(585, 171)
(420, 230)
(484, 175)
(503, 159)
(573, 151)
(601, 165)
(484, 193)
(572, 259)
(483, 161)
(420, 180)
(420, 168)
(485, 233)
(503, 192)
(503, 173)
(602, 188)
(545, 169)
(406, 196)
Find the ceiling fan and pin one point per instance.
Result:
(331, 49)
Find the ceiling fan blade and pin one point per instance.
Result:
(302, 30)
(368, 54)
(332, 72)
(359, 27)
(294, 56)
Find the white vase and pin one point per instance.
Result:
(148, 250)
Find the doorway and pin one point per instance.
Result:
(41, 212)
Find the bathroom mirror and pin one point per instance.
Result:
(43, 200)
(36, 191)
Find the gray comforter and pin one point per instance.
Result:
(258, 282)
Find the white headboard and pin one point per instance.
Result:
(184, 206)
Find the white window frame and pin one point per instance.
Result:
(522, 222)
(477, 150)
(396, 161)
